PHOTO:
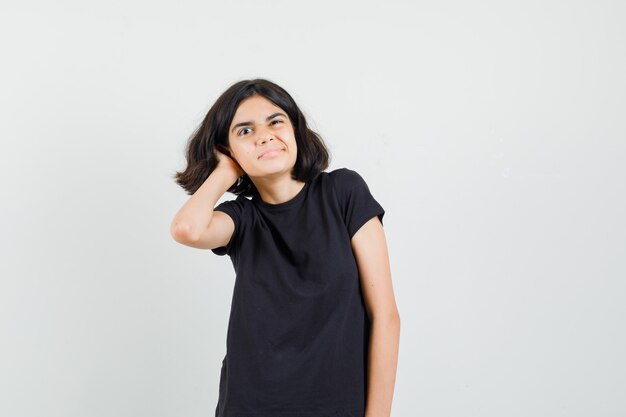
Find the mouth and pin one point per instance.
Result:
(271, 152)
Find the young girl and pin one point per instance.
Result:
(313, 328)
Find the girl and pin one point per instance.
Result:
(313, 328)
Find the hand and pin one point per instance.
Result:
(227, 163)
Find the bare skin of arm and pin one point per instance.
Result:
(370, 249)
(194, 223)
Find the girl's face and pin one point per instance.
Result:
(260, 126)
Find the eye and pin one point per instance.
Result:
(272, 122)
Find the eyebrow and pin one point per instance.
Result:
(250, 123)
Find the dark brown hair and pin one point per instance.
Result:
(313, 156)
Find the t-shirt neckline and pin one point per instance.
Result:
(257, 199)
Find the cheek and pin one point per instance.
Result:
(243, 149)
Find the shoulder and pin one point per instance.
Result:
(239, 201)
(234, 207)
(344, 174)
(346, 179)
(349, 185)
(356, 201)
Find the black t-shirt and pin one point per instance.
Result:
(298, 331)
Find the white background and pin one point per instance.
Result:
(492, 132)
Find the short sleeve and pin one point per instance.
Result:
(357, 203)
(234, 208)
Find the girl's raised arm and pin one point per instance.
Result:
(196, 224)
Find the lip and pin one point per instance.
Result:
(271, 150)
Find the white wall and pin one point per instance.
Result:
(493, 133)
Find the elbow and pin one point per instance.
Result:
(395, 318)
(181, 232)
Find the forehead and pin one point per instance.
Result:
(256, 107)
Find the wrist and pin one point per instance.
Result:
(227, 175)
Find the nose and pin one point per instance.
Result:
(265, 134)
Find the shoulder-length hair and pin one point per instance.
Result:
(313, 156)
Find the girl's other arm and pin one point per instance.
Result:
(370, 249)
(196, 224)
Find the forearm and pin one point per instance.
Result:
(195, 215)
(382, 364)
